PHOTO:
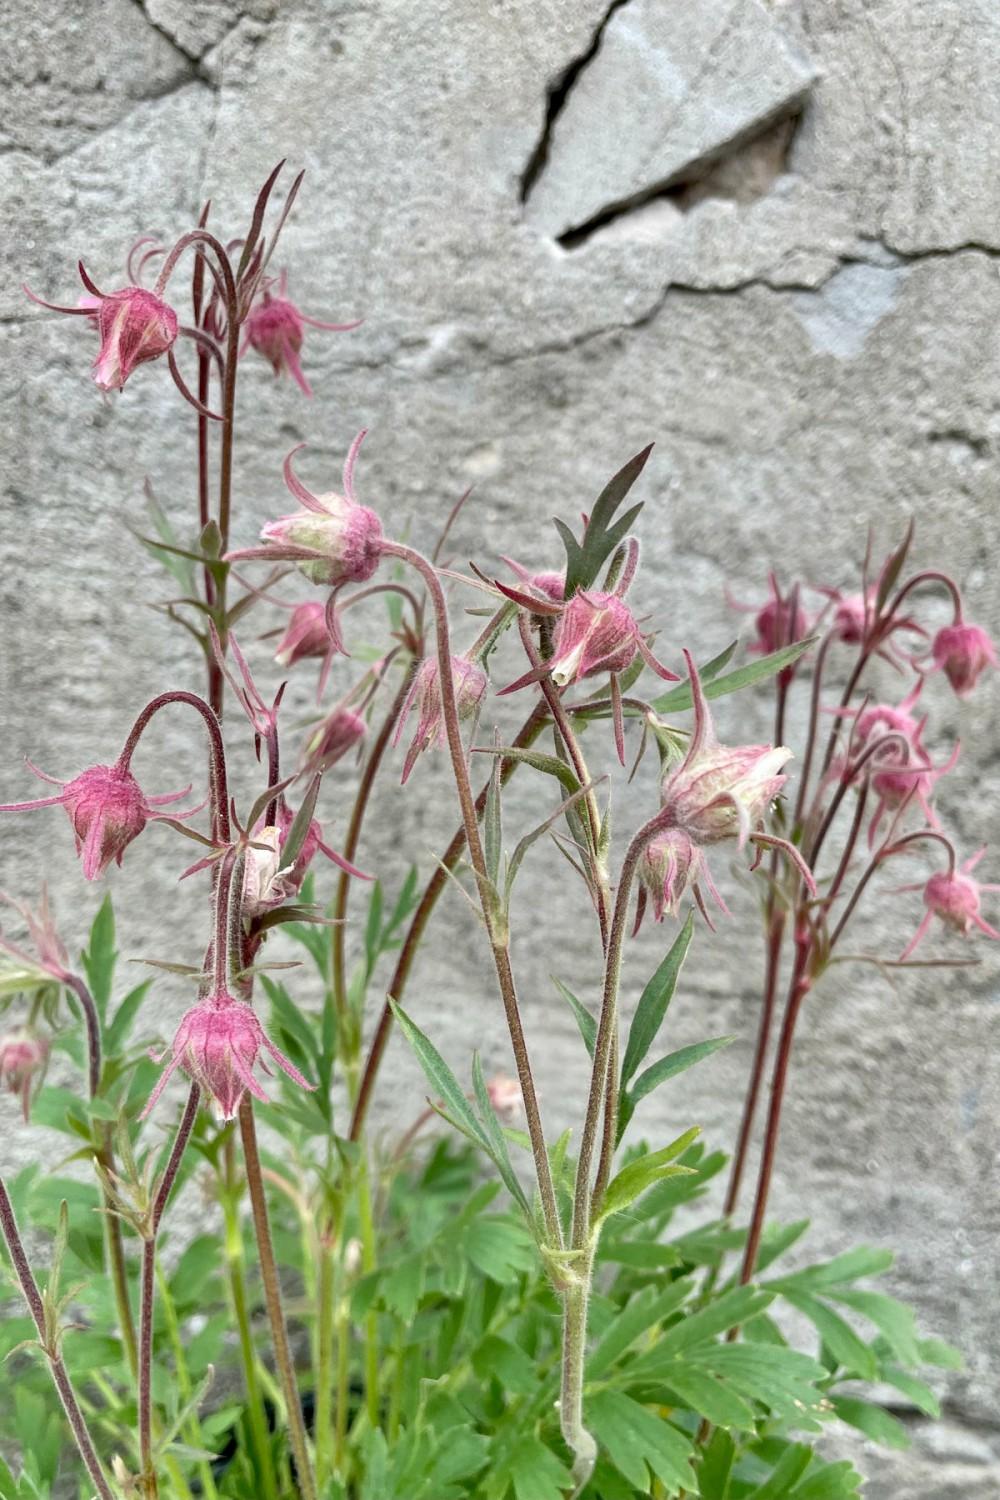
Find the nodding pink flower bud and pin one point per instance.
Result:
(334, 540)
(953, 897)
(596, 633)
(135, 326)
(963, 652)
(779, 622)
(107, 809)
(670, 866)
(506, 1097)
(24, 1055)
(338, 734)
(885, 718)
(217, 1045)
(274, 328)
(850, 618)
(550, 585)
(900, 776)
(425, 691)
(306, 635)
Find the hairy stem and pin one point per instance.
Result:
(29, 1287)
(272, 1297)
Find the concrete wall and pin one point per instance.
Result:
(806, 324)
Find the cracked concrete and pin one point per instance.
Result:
(810, 357)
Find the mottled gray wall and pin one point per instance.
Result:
(809, 334)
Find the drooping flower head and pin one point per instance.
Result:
(338, 734)
(275, 327)
(425, 692)
(24, 1055)
(963, 652)
(780, 621)
(672, 865)
(217, 1044)
(305, 636)
(549, 584)
(135, 326)
(901, 776)
(334, 540)
(954, 898)
(107, 808)
(596, 633)
(292, 872)
(721, 792)
(879, 719)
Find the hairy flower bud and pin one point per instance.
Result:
(306, 634)
(963, 652)
(24, 1055)
(135, 326)
(217, 1044)
(275, 328)
(722, 792)
(338, 734)
(470, 687)
(672, 865)
(954, 898)
(263, 889)
(107, 809)
(333, 539)
(596, 633)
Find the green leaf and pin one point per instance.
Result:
(602, 534)
(497, 1358)
(716, 1467)
(286, 1016)
(846, 1346)
(725, 1312)
(851, 1266)
(937, 1352)
(550, 765)
(493, 821)
(99, 959)
(674, 1063)
(679, 698)
(634, 1178)
(776, 1239)
(710, 1397)
(638, 1440)
(535, 1472)
(789, 1469)
(837, 1481)
(892, 569)
(872, 1420)
(781, 1379)
(914, 1390)
(497, 1141)
(439, 1075)
(653, 1002)
(120, 1029)
(647, 1309)
(585, 1021)
(891, 1318)
(500, 1248)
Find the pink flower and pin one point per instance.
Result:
(850, 616)
(217, 1045)
(717, 793)
(107, 809)
(274, 328)
(135, 326)
(23, 1057)
(720, 792)
(596, 633)
(550, 585)
(954, 898)
(425, 690)
(306, 635)
(49, 946)
(901, 776)
(885, 718)
(962, 652)
(506, 1097)
(779, 622)
(334, 540)
(672, 865)
(338, 734)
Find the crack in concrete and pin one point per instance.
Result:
(193, 59)
(558, 93)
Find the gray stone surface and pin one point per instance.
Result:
(813, 351)
(669, 88)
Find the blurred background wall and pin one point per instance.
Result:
(803, 317)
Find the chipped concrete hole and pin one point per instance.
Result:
(722, 96)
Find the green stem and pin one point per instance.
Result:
(368, 1264)
(192, 1428)
(272, 1297)
(323, 1427)
(238, 1292)
(581, 1444)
